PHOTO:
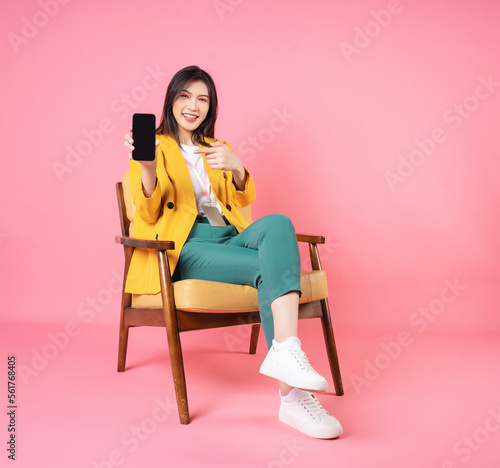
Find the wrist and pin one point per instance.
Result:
(239, 177)
(148, 176)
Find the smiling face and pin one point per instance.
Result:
(190, 108)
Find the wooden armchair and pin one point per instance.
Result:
(195, 304)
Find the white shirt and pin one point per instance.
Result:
(196, 164)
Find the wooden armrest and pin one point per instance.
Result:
(144, 243)
(310, 239)
(170, 245)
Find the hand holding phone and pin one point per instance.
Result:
(145, 150)
(144, 136)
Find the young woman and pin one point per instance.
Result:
(194, 175)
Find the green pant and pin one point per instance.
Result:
(265, 255)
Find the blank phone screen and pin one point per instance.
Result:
(143, 133)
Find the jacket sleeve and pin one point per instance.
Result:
(148, 208)
(242, 197)
(246, 196)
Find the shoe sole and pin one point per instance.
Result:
(297, 383)
(316, 434)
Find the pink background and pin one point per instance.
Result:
(357, 94)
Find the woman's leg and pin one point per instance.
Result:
(274, 239)
(206, 259)
(265, 256)
(285, 324)
(285, 315)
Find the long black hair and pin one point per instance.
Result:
(168, 124)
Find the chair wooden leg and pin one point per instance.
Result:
(331, 348)
(326, 321)
(173, 337)
(122, 347)
(176, 361)
(126, 302)
(254, 338)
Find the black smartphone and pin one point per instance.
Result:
(144, 135)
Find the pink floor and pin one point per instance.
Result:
(433, 403)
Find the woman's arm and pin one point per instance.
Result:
(220, 156)
(148, 178)
(240, 178)
(148, 168)
(145, 189)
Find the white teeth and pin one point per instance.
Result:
(190, 116)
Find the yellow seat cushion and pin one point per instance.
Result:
(210, 296)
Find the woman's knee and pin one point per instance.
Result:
(279, 222)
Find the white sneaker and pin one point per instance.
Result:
(307, 415)
(290, 365)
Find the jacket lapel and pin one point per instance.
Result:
(175, 165)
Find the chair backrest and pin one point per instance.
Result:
(124, 220)
(126, 207)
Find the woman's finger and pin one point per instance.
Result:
(206, 150)
(214, 164)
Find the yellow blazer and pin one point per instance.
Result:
(170, 212)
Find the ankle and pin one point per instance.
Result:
(290, 396)
(285, 389)
(291, 340)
